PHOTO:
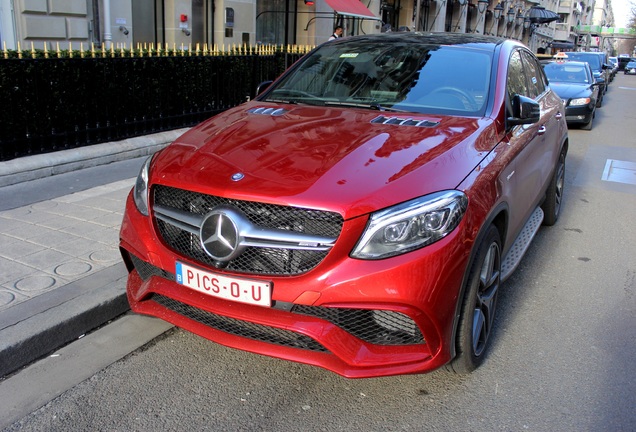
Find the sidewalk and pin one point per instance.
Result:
(61, 274)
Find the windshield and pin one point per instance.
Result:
(567, 73)
(592, 58)
(399, 76)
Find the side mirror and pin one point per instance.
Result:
(262, 87)
(524, 111)
(606, 66)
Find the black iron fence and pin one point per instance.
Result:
(63, 100)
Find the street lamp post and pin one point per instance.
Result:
(482, 5)
(497, 12)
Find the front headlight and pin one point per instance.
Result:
(580, 101)
(140, 192)
(411, 225)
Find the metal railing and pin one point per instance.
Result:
(54, 100)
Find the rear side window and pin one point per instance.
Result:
(535, 76)
(525, 76)
(516, 83)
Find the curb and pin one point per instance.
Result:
(45, 165)
(39, 326)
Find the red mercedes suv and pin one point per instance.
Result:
(362, 212)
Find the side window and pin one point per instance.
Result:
(516, 81)
(536, 80)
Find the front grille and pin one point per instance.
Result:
(378, 327)
(240, 328)
(254, 260)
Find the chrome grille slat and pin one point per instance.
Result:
(281, 240)
(403, 121)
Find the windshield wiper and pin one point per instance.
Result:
(372, 106)
(313, 102)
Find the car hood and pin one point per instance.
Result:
(569, 91)
(351, 161)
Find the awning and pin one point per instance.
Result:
(540, 15)
(561, 45)
(352, 8)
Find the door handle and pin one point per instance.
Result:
(542, 130)
(559, 116)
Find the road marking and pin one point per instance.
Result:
(619, 171)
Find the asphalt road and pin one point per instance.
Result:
(562, 357)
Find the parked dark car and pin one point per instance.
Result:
(613, 61)
(622, 61)
(574, 83)
(362, 212)
(630, 68)
(599, 65)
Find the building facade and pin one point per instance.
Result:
(128, 23)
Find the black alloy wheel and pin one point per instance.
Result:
(554, 195)
(477, 317)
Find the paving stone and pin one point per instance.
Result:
(11, 270)
(44, 258)
(19, 249)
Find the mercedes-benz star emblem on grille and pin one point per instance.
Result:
(220, 235)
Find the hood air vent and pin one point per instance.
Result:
(400, 121)
(267, 111)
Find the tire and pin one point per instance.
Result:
(554, 194)
(479, 305)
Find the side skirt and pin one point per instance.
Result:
(521, 244)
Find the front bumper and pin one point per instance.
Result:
(579, 114)
(356, 318)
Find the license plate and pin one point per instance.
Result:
(241, 290)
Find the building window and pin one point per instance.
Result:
(271, 16)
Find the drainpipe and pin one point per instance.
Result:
(108, 36)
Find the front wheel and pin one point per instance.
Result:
(478, 308)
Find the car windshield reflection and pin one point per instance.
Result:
(574, 73)
(398, 77)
